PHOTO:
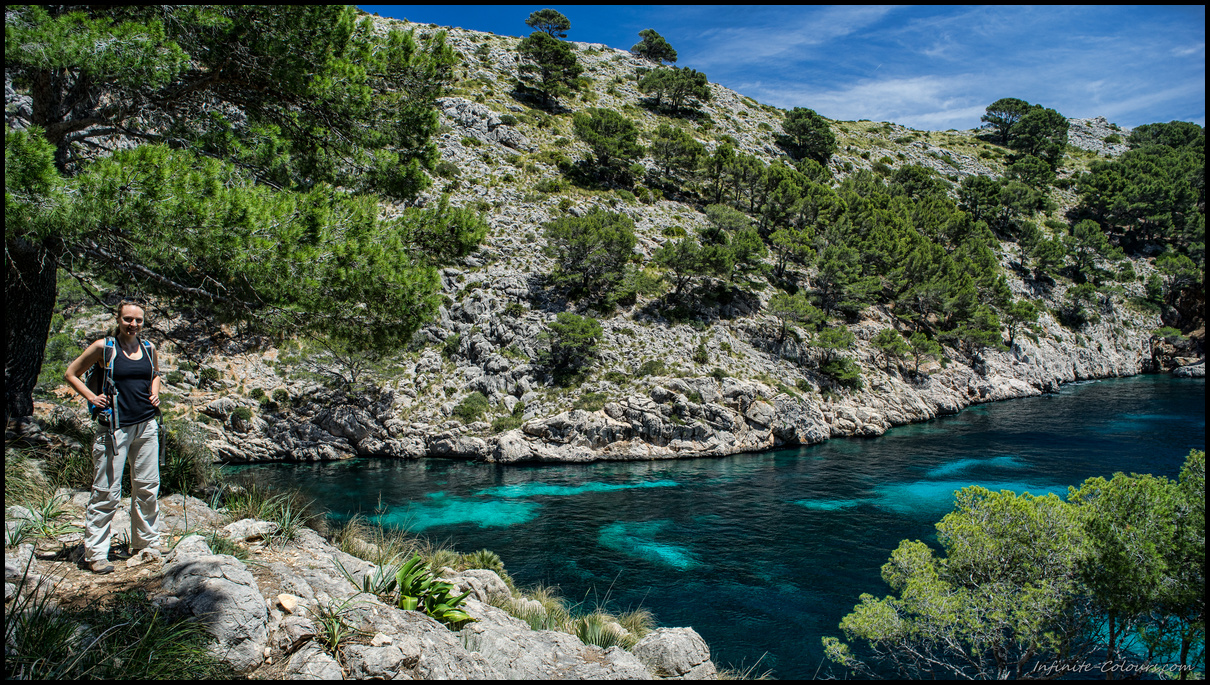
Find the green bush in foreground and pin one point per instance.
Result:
(1040, 587)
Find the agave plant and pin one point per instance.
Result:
(421, 590)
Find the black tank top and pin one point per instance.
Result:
(132, 378)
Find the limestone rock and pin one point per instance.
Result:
(676, 653)
(249, 529)
(220, 591)
(512, 447)
(483, 584)
(1195, 370)
(313, 663)
(382, 662)
(518, 653)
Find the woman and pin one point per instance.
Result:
(128, 403)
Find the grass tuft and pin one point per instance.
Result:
(127, 638)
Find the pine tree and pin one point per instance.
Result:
(807, 134)
(550, 22)
(236, 126)
(653, 47)
(548, 67)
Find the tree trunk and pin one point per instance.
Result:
(30, 272)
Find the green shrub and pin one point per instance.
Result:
(472, 407)
(652, 367)
(553, 614)
(471, 142)
(449, 347)
(506, 423)
(513, 351)
(508, 120)
(1168, 333)
(208, 377)
(73, 468)
(616, 377)
(844, 371)
(511, 421)
(447, 169)
(256, 393)
(591, 401)
(550, 185)
(281, 396)
(175, 377)
(242, 414)
(484, 558)
(220, 544)
(700, 355)
(718, 374)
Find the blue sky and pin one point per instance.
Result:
(924, 67)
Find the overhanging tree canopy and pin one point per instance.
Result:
(230, 156)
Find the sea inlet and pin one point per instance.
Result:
(762, 554)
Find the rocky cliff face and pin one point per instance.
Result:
(669, 416)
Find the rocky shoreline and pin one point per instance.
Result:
(266, 616)
(693, 416)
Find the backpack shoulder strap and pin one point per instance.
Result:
(150, 350)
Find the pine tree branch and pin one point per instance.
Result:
(95, 251)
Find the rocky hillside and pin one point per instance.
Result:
(667, 383)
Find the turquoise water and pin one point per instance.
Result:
(763, 554)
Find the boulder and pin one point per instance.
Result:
(483, 584)
(223, 595)
(676, 653)
(249, 529)
(458, 447)
(1195, 370)
(518, 653)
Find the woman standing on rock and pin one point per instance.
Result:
(125, 403)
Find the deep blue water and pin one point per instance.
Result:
(764, 553)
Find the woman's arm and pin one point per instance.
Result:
(93, 354)
(155, 377)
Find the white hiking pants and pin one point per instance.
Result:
(140, 445)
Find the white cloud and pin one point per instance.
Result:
(928, 102)
(1189, 50)
(791, 39)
